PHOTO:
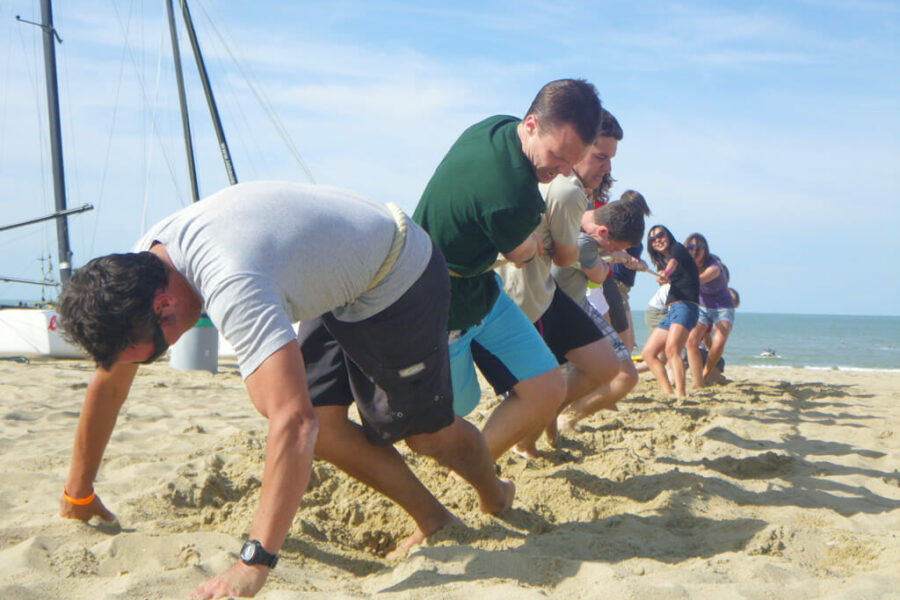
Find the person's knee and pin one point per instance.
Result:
(425, 443)
(332, 422)
(449, 439)
(544, 392)
(628, 374)
(596, 361)
(430, 444)
(673, 352)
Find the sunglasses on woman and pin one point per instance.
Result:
(659, 235)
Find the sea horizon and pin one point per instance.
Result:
(812, 341)
(798, 340)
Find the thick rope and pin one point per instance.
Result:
(396, 245)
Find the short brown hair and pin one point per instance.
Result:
(107, 304)
(568, 102)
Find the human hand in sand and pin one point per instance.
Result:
(84, 512)
(240, 580)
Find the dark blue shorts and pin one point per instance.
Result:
(395, 365)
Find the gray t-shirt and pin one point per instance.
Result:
(264, 255)
(572, 280)
(532, 287)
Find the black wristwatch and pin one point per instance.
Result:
(252, 553)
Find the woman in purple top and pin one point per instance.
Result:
(716, 309)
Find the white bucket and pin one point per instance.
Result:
(198, 349)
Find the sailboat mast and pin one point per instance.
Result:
(182, 102)
(59, 186)
(207, 89)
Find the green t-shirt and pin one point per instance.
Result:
(482, 199)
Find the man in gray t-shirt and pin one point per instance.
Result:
(258, 257)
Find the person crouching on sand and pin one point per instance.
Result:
(679, 269)
(258, 257)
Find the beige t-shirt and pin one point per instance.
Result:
(532, 287)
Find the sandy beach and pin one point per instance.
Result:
(781, 483)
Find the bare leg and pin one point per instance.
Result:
(343, 444)
(627, 336)
(605, 397)
(593, 365)
(534, 403)
(656, 343)
(462, 449)
(675, 341)
(721, 329)
(695, 361)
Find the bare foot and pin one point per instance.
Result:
(551, 432)
(526, 451)
(508, 491)
(565, 423)
(417, 537)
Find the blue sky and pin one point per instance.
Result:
(771, 127)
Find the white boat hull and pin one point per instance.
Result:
(33, 332)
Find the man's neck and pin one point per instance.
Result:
(189, 303)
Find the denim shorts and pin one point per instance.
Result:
(682, 313)
(711, 316)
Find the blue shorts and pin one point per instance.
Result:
(564, 326)
(508, 335)
(682, 313)
(711, 316)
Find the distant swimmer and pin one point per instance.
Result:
(769, 353)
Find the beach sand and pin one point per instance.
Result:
(781, 483)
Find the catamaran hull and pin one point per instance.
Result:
(33, 332)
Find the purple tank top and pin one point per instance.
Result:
(714, 294)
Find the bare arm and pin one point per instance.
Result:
(598, 273)
(671, 265)
(564, 255)
(103, 399)
(709, 273)
(278, 390)
(525, 252)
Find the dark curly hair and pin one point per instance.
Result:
(107, 304)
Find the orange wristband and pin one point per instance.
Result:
(78, 501)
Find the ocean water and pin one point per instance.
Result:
(810, 341)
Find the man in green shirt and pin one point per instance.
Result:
(482, 200)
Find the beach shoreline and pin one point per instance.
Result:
(781, 482)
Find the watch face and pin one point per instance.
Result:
(248, 551)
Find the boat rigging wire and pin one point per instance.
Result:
(147, 104)
(253, 83)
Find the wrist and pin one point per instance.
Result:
(253, 554)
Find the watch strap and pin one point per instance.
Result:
(258, 555)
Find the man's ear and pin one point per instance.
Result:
(531, 123)
(163, 303)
